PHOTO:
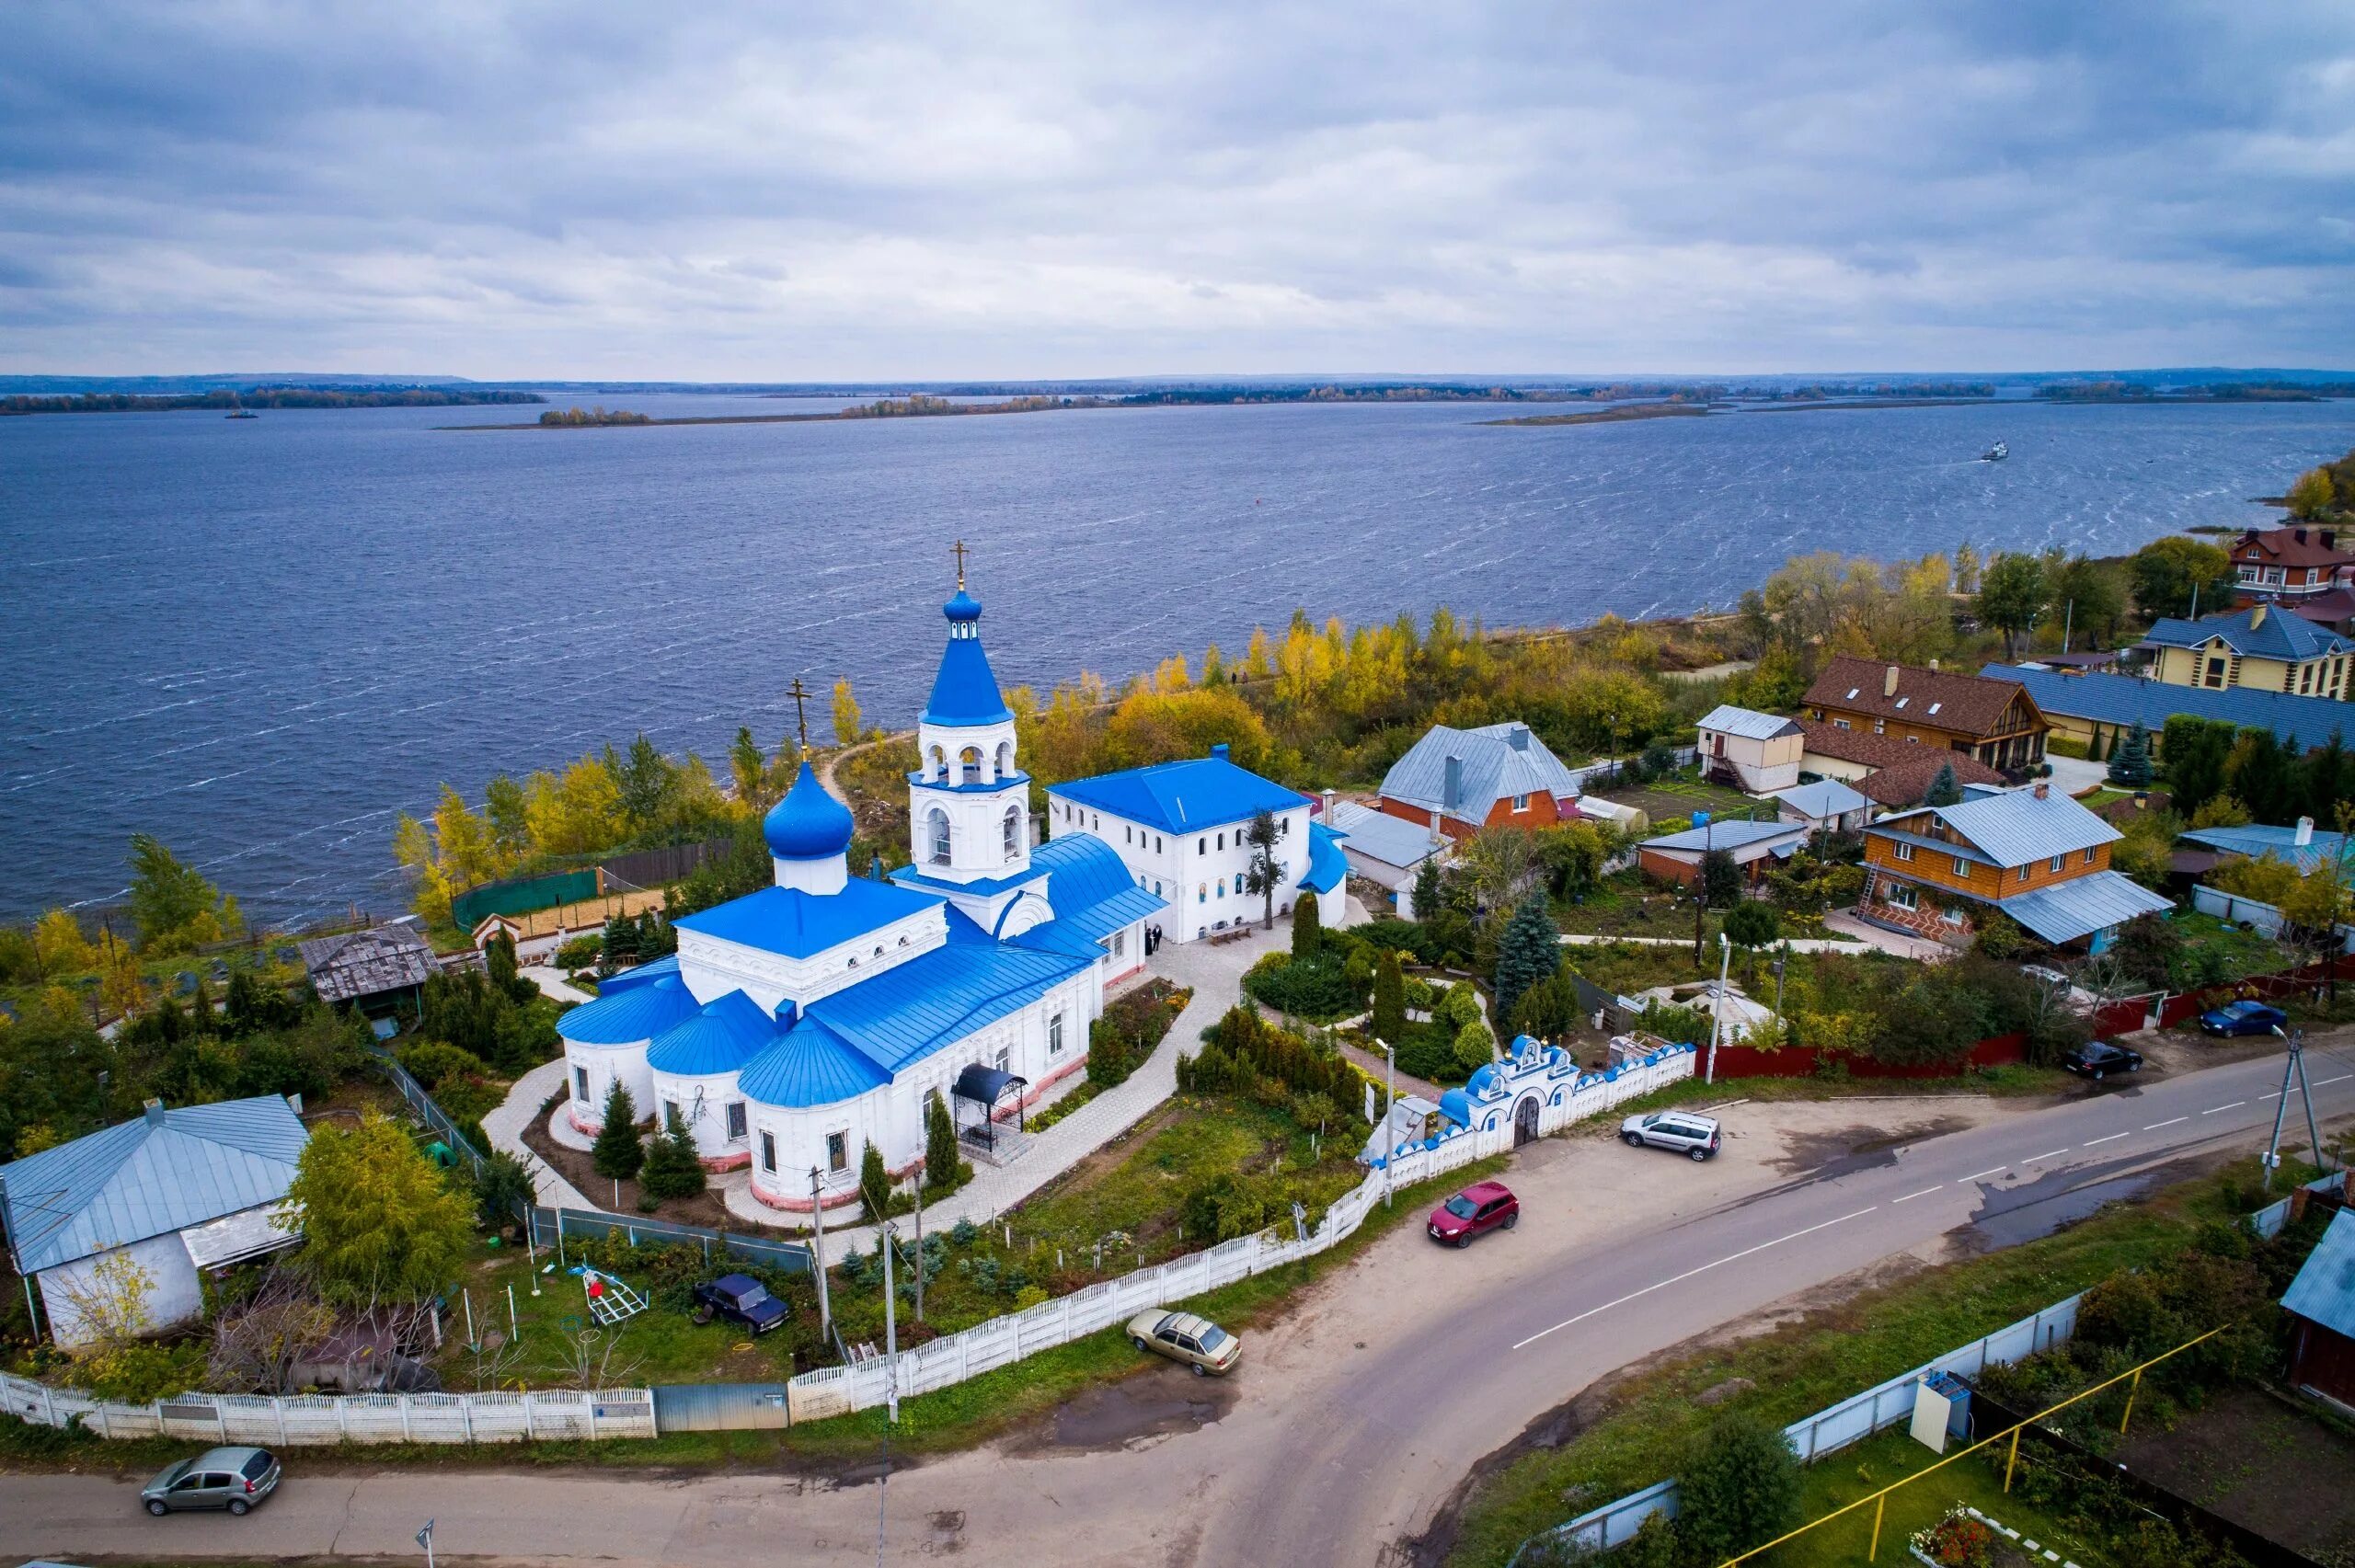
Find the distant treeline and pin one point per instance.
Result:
(1862, 389)
(597, 415)
(921, 405)
(2143, 392)
(257, 397)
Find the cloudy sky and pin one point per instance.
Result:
(793, 192)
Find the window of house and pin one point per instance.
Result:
(2023, 877)
(1952, 917)
(1880, 727)
(1055, 1034)
(1222, 841)
(1904, 849)
(1962, 868)
(2057, 862)
(2089, 857)
(837, 1151)
(1119, 944)
(768, 1152)
(1124, 834)
(1156, 844)
(1005, 1059)
(580, 1083)
(1903, 898)
(1012, 834)
(670, 1114)
(735, 1119)
(1841, 724)
(1520, 803)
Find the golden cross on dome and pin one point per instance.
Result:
(959, 550)
(801, 694)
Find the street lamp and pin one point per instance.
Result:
(1389, 1122)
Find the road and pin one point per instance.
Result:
(1349, 1424)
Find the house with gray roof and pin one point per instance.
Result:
(1460, 781)
(1756, 848)
(1754, 752)
(383, 968)
(1827, 806)
(1384, 850)
(177, 1193)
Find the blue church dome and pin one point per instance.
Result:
(965, 691)
(808, 824)
(962, 608)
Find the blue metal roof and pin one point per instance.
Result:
(165, 1172)
(903, 1013)
(1091, 890)
(1185, 796)
(2277, 633)
(1723, 835)
(728, 1033)
(808, 824)
(812, 1065)
(1326, 867)
(2323, 1291)
(2257, 840)
(980, 887)
(644, 975)
(1059, 936)
(965, 691)
(2128, 699)
(2013, 827)
(637, 1012)
(799, 924)
(2082, 906)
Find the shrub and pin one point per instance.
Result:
(1476, 1047)
(673, 1169)
(1307, 927)
(1998, 936)
(1229, 1205)
(1751, 923)
(1317, 987)
(580, 952)
(502, 1191)
(1110, 1058)
(1741, 1490)
(1456, 1007)
(431, 1062)
(1428, 1052)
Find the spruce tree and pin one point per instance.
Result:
(944, 1167)
(617, 1153)
(673, 1169)
(1389, 1000)
(1307, 925)
(1945, 788)
(1427, 889)
(875, 1184)
(2130, 763)
(1527, 953)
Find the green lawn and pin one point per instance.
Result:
(1864, 1468)
(1643, 1426)
(2012, 1080)
(1625, 906)
(2237, 953)
(1681, 795)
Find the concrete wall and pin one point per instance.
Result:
(173, 1297)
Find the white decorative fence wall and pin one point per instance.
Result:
(345, 1418)
(1853, 1420)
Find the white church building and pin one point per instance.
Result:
(799, 1024)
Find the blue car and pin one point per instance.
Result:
(2243, 1018)
(740, 1298)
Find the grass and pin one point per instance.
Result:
(2013, 1081)
(1641, 1428)
(2244, 952)
(1625, 906)
(1864, 1467)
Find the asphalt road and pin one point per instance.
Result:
(1347, 1424)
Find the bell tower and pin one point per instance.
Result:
(968, 800)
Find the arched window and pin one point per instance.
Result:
(938, 822)
(968, 761)
(1013, 831)
(1004, 759)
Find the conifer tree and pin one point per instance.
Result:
(2130, 764)
(617, 1153)
(673, 1169)
(875, 1184)
(1945, 788)
(944, 1167)
(1307, 925)
(1389, 1000)
(1527, 953)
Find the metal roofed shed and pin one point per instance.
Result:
(2322, 1301)
(163, 1188)
(2300, 846)
(1825, 804)
(368, 968)
(2063, 911)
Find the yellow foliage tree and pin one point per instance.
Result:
(850, 725)
(1162, 726)
(60, 946)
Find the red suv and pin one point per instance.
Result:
(1483, 1205)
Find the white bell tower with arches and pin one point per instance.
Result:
(968, 800)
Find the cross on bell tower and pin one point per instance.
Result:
(958, 549)
(801, 694)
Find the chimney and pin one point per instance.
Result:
(2257, 618)
(1451, 791)
(1518, 738)
(2043, 789)
(1218, 750)
(2298, 534)
(2305, 834)
(788, 1012)
(154, 1113)
(1889, 682)
(1328, 807)
(2329, 537)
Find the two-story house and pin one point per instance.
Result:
(2039, 857)
(2260, 647)
(2284, 565)
(1756, 753)
(1994, 722)
(1461, 781)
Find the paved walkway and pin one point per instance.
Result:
(504, 1125)
(1893, 942)
(553, 983)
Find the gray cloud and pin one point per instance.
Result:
(750, 191)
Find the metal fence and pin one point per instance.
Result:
(2268, 1221)
(2258, 915)
(431, 1113)
(552, 1228)
(348, 1418)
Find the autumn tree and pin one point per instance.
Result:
(849, 723)
(59, 946)
(2170, 576)
(2012, 595)
(380, 1224)
(2311, 495)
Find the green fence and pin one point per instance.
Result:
(522, 896)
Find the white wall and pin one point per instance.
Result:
(707, 1126)
(1200, 873)
(604, 1064)
(173, 1297)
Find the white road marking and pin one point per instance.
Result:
(2111, 1138)
(1688, 1273)
(1996, 1172)
(2271, 1094)
(2046, 1155)
(2234, 1107)
(2155, 1125)
(1923, 1193)
(2340, 1078)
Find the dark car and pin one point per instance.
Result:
(740, 1298)
(1483, 1205)
(2243, 1018)
(232, 1479)
(2096, 1058)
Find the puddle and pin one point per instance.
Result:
(2008, 1216)
(1826, 1156)
(1135, 1410)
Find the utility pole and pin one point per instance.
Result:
(2295, 1065)
(1389, 1123)
(1717, 1014)
(2068, 624)
(1701, 884)
(919, 1251)
(891, 1326)
(818, 1256)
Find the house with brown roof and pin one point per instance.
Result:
(1994, 722)
(2304, 570)
(1893, 774)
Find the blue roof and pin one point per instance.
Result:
(726, 1035)
(801, 925)
(1059, 936)
(1185, 796)
(2128, 699)
(1326, 868)
(165, 1172)
(1723, 835)
(808, 824)
(811, 1066)
(1091, 890)
(965, 691)
(644, 975)
(2257, 840)
(2280, 634)
(637, 1012)
(901, 1014)
(979, 888)
(2323, 1291)
(1457, 1106)
(2064, 911)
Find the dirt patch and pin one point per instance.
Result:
(2261, 1462)
(1839, 1152)
(2166, 1052)
(1134, 1413)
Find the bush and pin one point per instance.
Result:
(1307, 927)
(432, 1062)
(1110, 1058)
(1751, 923)
(1476, 1047)
(1230, 1205)
(1317, 988)
(1741, 1490)
(671, 1169)
(580, 952)
(1428, 1052)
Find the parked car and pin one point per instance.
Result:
(2048, 976)
(1483, 1205)
(740, 1298)
(2243, 1018)
(1198, 1343)
(2096, 1058)
(1680, 1130)
(233, 1479)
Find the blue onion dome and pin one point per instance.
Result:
(808, 824)
(1485, 1081)
(964, 607)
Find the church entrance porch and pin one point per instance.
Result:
(995, 1134)
(1525, 1121)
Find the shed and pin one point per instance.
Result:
(380, 969)
(1826, 806)
(2321, 1303)
(1756, 848)
(175, 1192)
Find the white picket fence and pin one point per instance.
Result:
(1853, 1420)
(345, 1418)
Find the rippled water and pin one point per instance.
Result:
(260, 640)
